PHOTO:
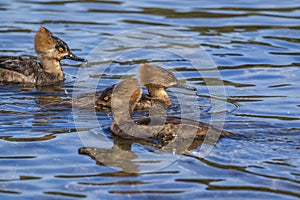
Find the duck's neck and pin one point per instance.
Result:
(158, 93)
(51, 66)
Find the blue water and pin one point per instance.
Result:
(254, 49)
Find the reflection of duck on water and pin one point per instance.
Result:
(156, 79)
(114, 157)
(126, 95)
(50, 49)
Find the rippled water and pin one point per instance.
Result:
(255, 46)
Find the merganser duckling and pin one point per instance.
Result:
(156, 79)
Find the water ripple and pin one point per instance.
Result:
(255, 46)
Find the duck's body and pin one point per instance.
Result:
(173, 127)
(158, 126)
(16, 69)
(50, 50)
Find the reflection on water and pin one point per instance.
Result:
(256, 50)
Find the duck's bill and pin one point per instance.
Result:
(183, 86)
(71, 56)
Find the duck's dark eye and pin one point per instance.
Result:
(105, 98)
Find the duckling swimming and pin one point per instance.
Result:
(156, 79)
(50, 50)
(126, 95)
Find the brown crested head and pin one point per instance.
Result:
(155, 75)
(43, 41)
(50, 46)
(152, 75)
(125, 96)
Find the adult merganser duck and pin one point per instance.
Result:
(50, 50)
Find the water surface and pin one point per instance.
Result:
(255, 47)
